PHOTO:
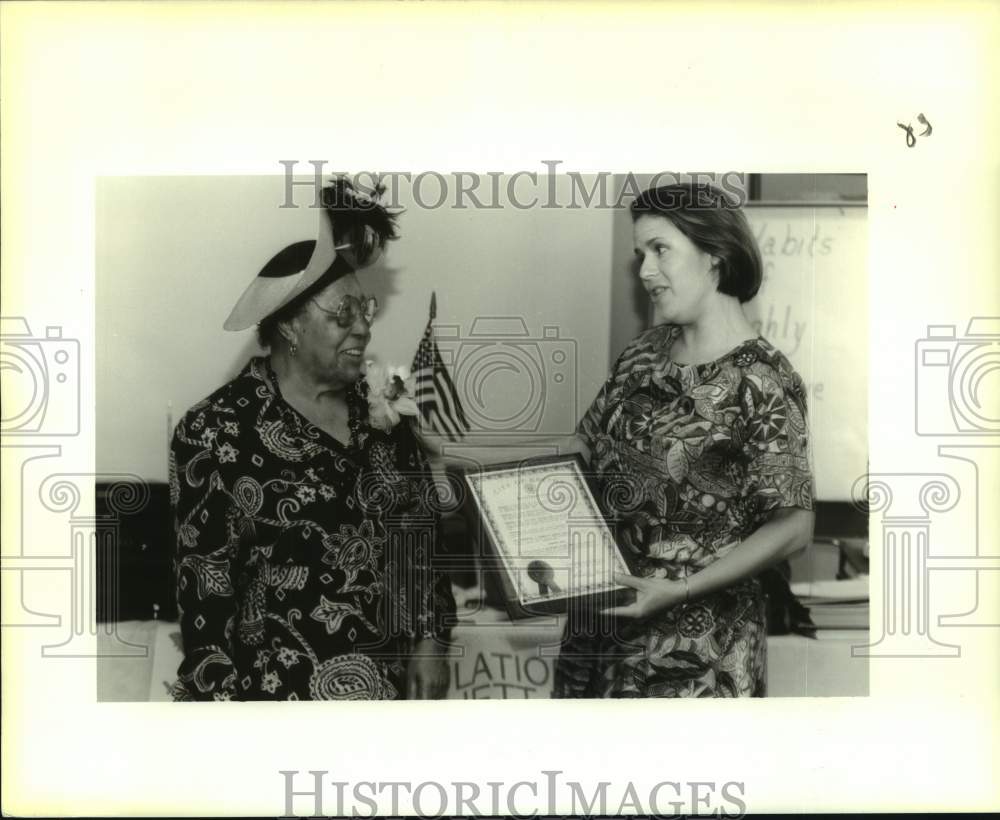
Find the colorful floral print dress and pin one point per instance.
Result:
(306, 569)
(692, 460)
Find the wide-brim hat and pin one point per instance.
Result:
(353, 230)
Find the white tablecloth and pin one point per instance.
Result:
(505, 660)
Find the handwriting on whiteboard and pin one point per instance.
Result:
(789, 253)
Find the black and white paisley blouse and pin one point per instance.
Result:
(306, 569)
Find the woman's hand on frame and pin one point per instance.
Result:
(653, 595)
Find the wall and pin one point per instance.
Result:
(174, 253)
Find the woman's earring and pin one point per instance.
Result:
(293, 348)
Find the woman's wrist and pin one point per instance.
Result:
(669, 595)
(681, 593)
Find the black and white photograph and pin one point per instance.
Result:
(307, 534)
(428, 409)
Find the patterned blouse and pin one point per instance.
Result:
(304, 567)
(692, 460)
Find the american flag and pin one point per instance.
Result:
(436, 395)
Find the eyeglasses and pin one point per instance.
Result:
(350, 309)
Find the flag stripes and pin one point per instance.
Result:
(436, 395)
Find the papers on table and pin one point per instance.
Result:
(836, 604)
(848, 590)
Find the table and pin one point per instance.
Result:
(503, 660)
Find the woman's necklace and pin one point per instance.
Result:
(356, 402)
(354, 397)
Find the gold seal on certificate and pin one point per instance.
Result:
(551, 544)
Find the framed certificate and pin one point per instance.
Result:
(551, 546)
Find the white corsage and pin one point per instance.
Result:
(390, 395)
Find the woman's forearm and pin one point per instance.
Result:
(788, 530)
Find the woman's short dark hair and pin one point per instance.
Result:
(716, 225)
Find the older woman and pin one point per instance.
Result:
(304, 532)
(705, 422)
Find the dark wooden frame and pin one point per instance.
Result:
(496, 568)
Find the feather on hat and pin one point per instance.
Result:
(353, 227)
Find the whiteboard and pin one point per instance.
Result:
(813, 306)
